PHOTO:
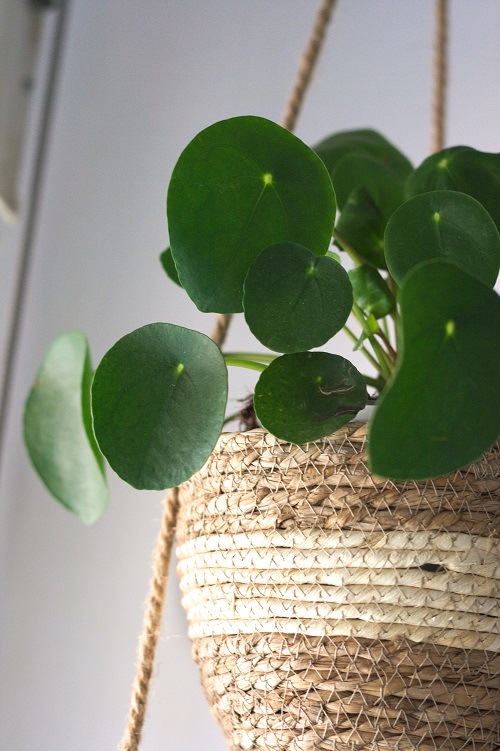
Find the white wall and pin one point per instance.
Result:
(138, 81)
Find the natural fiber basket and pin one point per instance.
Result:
(332, 610)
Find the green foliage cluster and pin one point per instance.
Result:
(254, 217)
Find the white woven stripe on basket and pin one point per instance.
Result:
(355, 594)
(472, 561)
(318, 538)
(393, 599)
(274, 607)
(453, 582)
(349, 628)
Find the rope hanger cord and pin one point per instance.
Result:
(161, 560)
(440, 75)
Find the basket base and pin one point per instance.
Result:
(304, 693)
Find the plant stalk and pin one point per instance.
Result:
(377, 383)
(254, 356)
(347, 247)
(384, 363)
(352, 336)
(390, 349)
(242, 363)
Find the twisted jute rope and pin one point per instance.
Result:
(440, 75)
(155, 600)
(331, 610)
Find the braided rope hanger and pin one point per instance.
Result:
(155, 601)
(154, 606)
(440, 75)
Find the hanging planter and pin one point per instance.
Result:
(331, 609)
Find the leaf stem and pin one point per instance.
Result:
(377, 383)
(394, 315)
(242, 363)
(392, 286)
(390, 349)
(251, 355)
(385, 325)
(346, 245)
(352, 336)
(384, 363)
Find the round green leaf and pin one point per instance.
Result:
(307, 395)
(442, 409)
(368, 174)
(371, 292)
(168, 264)
(362, 225)
(58, 429)
(295, 300)
(446, 224)
(461, 168)
(363, 141)
(240, 186)
(158, 399)
(355, 171)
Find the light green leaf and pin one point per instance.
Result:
(443, 224)
(240, 186)
(442, 408)
(58, 429)
(295, 300)
(304, 396)
(158, 398)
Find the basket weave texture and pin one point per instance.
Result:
(331, 610)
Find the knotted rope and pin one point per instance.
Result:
(156, 597)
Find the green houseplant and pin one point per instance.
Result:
(252, 214)
(328, 607)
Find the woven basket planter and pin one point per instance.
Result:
(333, 611)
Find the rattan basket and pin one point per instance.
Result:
(331, 610)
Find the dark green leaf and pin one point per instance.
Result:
(58, 429)
(368, 175)
(355, 171)
(461, 168)
(442, 410)
(371, 292)
(168, 264)
(443, 224)
(295, 300)
(363, 141)
(307, 395)
(159, 397)
(240, 186)
(363, 226)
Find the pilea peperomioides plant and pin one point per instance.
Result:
(252, 216)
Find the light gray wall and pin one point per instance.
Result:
(138, 81)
